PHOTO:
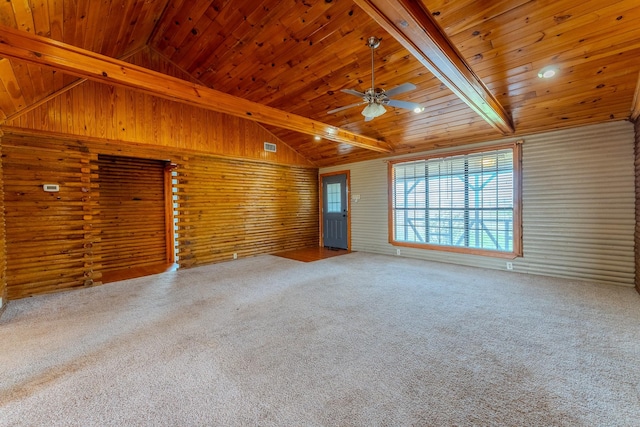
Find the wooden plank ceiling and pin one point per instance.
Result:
(296, 56)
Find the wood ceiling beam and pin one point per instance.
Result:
(411, 24)
(86, 64)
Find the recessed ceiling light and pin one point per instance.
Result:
(317, 137)
(418, 110)
(548, 72)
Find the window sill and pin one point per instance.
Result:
(458, 249)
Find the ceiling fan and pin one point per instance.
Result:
(376, 98)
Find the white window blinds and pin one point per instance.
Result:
(462, 201)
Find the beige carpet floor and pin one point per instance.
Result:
(356, 340)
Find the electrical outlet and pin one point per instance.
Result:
(397, 251)
(509, 265)
(235, 255)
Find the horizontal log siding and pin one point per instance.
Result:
(132, 212)
(50, 237)
(578, 207)
(226, 207)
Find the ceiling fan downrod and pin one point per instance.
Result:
(373, 43)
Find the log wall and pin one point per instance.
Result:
(50, 236)
(231, 207)
(225, 206)
(132, 210)
(57, 242)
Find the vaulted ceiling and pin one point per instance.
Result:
(297, 56)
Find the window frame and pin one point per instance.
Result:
(517, 202)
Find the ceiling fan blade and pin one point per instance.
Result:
(353, 92)
(405, 87)
(337, 110)
(403, 104)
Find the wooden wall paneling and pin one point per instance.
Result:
(103, 111)
(10, 82)
(226, 207)
(50, 236)
(131, 118)
(6, 106)
(23, 81)
(132, 209)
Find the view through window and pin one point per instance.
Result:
(334, 203)
(462, 201)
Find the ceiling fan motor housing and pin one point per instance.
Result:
(375, 95)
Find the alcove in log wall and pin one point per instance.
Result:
(132, 214)
(224, 207)
(264, 201)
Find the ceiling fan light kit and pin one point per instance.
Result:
(373, 110)
(374, 98)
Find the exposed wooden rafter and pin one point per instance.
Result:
(410, 23)
(86, 64)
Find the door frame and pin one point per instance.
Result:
(169, 223)
(348, 190)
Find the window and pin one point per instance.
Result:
(467, 202)
(334, 203)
